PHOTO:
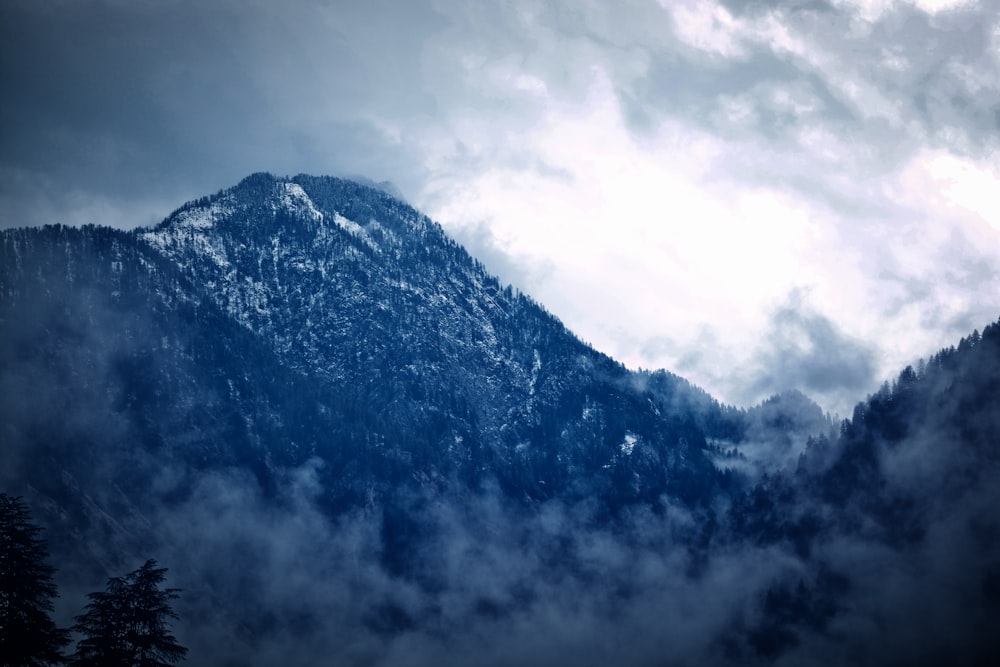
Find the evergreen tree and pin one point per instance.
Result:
(126, 625)
(28, 635)
(103, 627)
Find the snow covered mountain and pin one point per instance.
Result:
(360, 291)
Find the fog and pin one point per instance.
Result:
(457, 577)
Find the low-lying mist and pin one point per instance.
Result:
(448, 577)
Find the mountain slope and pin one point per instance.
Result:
(360, 291)
(115, 368)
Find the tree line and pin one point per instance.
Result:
(125, 625)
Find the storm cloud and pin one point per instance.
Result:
(804, 350)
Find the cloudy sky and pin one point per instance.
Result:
(755, 195)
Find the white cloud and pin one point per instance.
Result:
(869, 10)
(645, 237)
(970, 187)
(935, 6)
(669, 249)
(706, 26)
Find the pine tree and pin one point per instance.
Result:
(126, 625)
(103, 627)
(28, 636)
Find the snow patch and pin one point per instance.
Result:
(199, 217)
(535, 368)
(355, 230)
(349, 225)
(386, 233)
(188, 229)
(295, 199)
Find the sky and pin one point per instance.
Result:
(757, 196)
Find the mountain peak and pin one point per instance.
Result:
(300, 206)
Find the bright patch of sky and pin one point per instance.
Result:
(758, 196)
(675, 246)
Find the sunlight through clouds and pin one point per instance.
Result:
(964, 184)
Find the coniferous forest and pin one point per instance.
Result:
(353, 445)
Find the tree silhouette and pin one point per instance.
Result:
(28, 635)
(126, 625)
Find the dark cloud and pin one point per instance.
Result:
(805, 350)
(128, 103)
(132, 101)
(115, 108)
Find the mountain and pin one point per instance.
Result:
(350, 443)
(360, 291)
(404, 355)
